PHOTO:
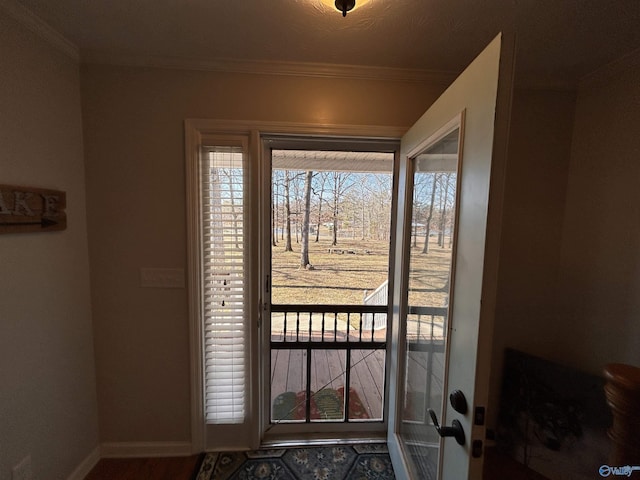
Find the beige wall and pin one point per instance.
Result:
(536, 180)
(48, 406)
(569, 273)
(133, 119)
(599, 288)
(135, 175)
(570, 263)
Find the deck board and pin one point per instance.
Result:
(366, 378)
(321, 377)
(279, 368)
(335, 366)
(296, 371)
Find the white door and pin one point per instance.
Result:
(451, 180)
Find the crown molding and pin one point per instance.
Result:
(41, 28)
(263, 67)
(308, 69)
(206, 126)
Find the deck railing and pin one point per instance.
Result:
(426, 328)
(325, 323)
(380, 296)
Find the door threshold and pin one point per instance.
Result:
(314, 440)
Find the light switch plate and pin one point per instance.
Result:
(162, 277)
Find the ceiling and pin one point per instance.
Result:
(558, 40)
(332, 161)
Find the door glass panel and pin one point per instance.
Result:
(329, 291)
(429, 285)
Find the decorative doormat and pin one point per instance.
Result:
(337, 462)
(326, 404)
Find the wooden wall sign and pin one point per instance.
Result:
(25, 209)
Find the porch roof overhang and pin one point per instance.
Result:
(332, 161)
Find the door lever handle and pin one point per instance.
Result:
(455, 430)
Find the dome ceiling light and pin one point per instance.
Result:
(345, 6)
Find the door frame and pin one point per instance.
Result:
(196, 131)
(329, 431)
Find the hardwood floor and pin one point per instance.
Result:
(174, 468)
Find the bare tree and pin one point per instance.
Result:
(229, 173)
(425, 248)
(360, 199)
(364, 189)
(323, 178)
(443, 216)
(287, 202)
(298, 194)
(274, 213)
(304, 247)
(421, 187)
(380, 208)
(340, 186)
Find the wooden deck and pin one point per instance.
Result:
(328, 367)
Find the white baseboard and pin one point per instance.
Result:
(145, 449)
(86, 465)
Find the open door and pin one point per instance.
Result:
(450, 190)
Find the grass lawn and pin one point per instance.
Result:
(341, 279)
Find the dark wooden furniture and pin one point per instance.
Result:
(623, 397)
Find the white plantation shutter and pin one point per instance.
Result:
(223, 283)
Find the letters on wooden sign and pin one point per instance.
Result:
(25, 209)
